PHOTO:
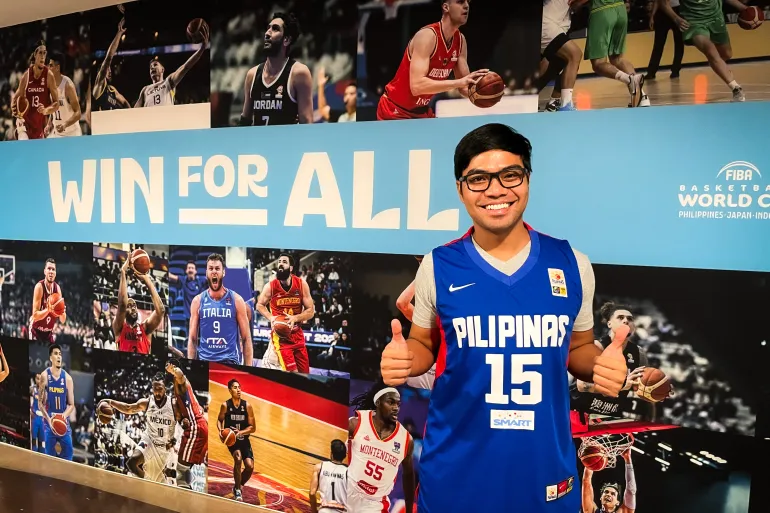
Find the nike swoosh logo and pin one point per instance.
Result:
(452, 288)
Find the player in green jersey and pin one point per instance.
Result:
(606, 43)
(702, 23)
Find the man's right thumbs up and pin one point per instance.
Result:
(396, 362)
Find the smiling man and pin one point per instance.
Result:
(514, 312)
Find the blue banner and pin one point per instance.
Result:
(671, 186)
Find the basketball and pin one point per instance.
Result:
(105, 412)
(594, 458)
(57, 303)
(227, 436)
(140, 261)
(59, 424)
(751, 18)
(487, 91)
(281, 326)
(196, 30)
(22, 104)
(653, 385)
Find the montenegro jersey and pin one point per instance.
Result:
(498, 435)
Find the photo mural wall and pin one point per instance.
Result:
(146, 250)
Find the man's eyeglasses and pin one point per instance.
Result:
(479, 181)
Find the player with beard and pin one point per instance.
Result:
(150, 457)
(219, 321)
(38, 87)
(289, 295)
(379, 445)
(238, 415)
(104, 96)
(134, 336)
(278, 91)
(610, 496)
(43, 319)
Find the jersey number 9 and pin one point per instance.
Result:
(216, 327)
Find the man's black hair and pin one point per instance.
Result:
(489, 137)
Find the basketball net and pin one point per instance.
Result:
(391, 9)
(612, 445)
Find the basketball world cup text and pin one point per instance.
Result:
(535, 331)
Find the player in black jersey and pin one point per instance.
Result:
(238, 415)
(103, 95)
(278, 91)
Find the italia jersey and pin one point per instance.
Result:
(218, 334)
(498, 426)
(56, 393)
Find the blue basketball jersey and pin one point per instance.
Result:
(56, 397)
(218, 333)
(35, 403)
(498, 437)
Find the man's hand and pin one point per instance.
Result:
(610, 368)
(396, 361)
(473, 77)
(633, 378)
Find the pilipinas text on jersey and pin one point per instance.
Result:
(501, 382)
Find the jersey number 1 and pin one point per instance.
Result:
(519, 376)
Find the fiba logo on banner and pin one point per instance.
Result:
(737, 192)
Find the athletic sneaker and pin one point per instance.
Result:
(569, 106)
(635, 88)
(738, 95)
(238, 496)
(553, 105)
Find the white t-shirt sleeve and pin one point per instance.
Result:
(585, 318)
(424, 314)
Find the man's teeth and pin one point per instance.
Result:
(498, 206)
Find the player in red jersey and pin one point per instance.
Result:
(289, 295)
(38, 87)
(43, 319)
(434, 52)
(134, 336)
(193, 448)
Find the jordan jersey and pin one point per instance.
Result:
(65, 112)
(374, 463)
(218, 333)
(158, 94)
(160, 423)
(332, 486)
(273, 104)
(498, 426)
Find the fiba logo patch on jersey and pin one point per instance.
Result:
(396, 447)
(558, 283)
(557, 491)
(512, 419)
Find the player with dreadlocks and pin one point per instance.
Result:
(379, 444)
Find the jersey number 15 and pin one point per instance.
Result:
(519, 376)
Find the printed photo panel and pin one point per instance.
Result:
(61, 383)
(273, 429)
(14, 392)
(283, 64)
(319, 344)
(131, 308)
(690, 362)
(45, 290)
(150, 68)
(44, 70)
(597, 54)
(151, 417)
(455, 43)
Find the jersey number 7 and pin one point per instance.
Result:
(519, 376)
(373, 470)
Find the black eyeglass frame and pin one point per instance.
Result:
(524, 174)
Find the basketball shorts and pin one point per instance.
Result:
(292, 354)
(387, 110)
(607, 29)
(243, 445)
(155, 459)
(194, 445)
(73, 130)
(38, 432)
(713, 28)
(58, 446)
(35, 130)
(360, 503)
(42, 336)
(550, 31)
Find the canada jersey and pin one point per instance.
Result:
(133, 339)
(187, 405)
(161, 423)
(47, 323)
(332, 486)
(286, 301)
(37, 94)
(499, 409)
(155, 95)
(236, 418)
(374, 463)
(442, 62)
(273, 104)
(218, 333)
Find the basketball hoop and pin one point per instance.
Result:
(391, 9)
(613, 445)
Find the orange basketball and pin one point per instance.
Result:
(487, 91)
(59, 424)
(22, 104)
(57, 303)
(140, 261)
(654, 385)
(196, 29)
(281, 326)
(105, 412)
(227, 436)
(594, 458)
(751, 18)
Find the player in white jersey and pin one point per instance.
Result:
(162, 90)
(149, 459)
(379, 445)
(65, 122)
(330, 480)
